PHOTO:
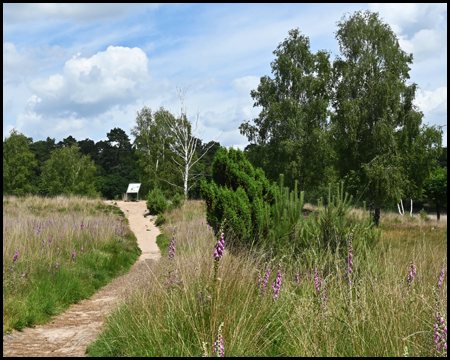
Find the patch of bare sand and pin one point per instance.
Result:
(70, 333)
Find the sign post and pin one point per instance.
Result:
(133, 189)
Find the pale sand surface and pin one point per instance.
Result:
(70, 333)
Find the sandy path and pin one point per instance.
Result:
(70, 333)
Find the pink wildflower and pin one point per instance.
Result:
(172, 248)
(441, 278)
(263, 290)
(218, 253)
(218, 347)
(277, 284)
(412, 274)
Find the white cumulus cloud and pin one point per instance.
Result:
(90, 86)
(431, 100)
(421, 28)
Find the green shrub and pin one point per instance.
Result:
(331, 225)
(161, 219)
(156, 202)
(284, 217)
(235, 198)
(177, 201)
(163, 243)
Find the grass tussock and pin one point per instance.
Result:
(58, 251)
(388, 309)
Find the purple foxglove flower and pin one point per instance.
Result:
(277, 284)
(58, 251)
(349, 262)
(218, 253)
(81, 248)
(172, 248)
(412, 274)
(316, 280)
(218, 347)
(73, 256)
(441, 278)
(15, 256)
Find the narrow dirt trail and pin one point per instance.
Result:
(70, 333)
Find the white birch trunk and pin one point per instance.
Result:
(185, 146)
(411, 210)
(403, 209)
(399, 210)
(186, 174)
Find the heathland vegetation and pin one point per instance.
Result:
(273, 261)
(377, 300)
(58, 251)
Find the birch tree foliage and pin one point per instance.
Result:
(372, 103)
(69, 172)
(291, 125)
(152, 138)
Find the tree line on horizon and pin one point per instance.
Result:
(85, 167)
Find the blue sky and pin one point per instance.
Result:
(83, 69)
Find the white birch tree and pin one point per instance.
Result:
(185, 138)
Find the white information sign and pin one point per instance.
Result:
(133, 189)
